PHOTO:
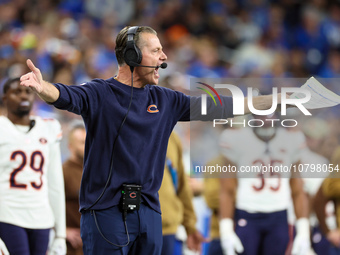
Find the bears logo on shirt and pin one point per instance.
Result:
(152, 108)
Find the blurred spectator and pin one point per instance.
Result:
(330, 191)
(252, 58)
(73, 170)
(316, 131)
(332, 67)
(245, 28)
(207, 64)
(121, 10)
(310, 37)
(331, 25)
(176, 203)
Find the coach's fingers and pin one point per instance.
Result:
(26, 76)
(26, 84)
(32, 67)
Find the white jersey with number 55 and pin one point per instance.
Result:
(268, 191)
(30, 173)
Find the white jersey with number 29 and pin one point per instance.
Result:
(31, 175)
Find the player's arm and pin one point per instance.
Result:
(56, 192)
(45, 90)
(300, 198)
(230, 242)
(227, 197)
(301, 244)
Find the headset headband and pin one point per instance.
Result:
(131, 33)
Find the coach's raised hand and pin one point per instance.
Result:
(34, 80)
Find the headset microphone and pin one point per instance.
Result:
(163, 65)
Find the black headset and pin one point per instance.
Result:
(132, 54)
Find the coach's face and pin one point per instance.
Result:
(18, 99)
(153, 55)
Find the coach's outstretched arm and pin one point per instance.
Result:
(261, 102)
(45, 90)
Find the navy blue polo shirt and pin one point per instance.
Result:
(139, 154)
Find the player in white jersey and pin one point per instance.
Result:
(257, 198)
(32, 199)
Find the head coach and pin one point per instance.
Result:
(128, 121)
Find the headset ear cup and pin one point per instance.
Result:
(132, 54)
